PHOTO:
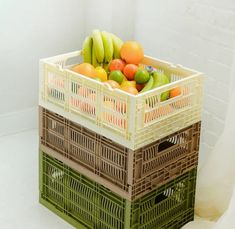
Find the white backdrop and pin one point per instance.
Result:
(198, 34)
(30, 30)
(111, 15)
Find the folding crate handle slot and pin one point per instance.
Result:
(71, 61)
(68, 60)
(165, 145)
(160, 197)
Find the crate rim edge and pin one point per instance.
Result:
(127, 194)
(85, 172)
(50, 152)
(124, 137)
(191, 174)
(158, 89)
(147, 57)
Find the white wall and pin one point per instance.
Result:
(111, 15)
(31, 30)
(199, 34)
(196, 33)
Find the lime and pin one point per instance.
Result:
(116, 76)
(142, 76)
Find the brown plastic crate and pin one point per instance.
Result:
(129, 173)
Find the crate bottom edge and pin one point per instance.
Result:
(79, 225)
(62, 215)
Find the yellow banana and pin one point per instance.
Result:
(94, 60)
(106, 67)
(148, 86)
(108, 46)
(117, 44)
(98, 46)
(87, 49)
(159, 80)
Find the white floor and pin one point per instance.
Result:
(19, 207)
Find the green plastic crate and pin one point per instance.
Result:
(87, 204)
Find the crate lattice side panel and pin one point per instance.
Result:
(135, 172)
(95, 206)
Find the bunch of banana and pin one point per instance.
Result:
(100, 48)
(157, 80)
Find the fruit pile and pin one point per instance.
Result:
(108, 59)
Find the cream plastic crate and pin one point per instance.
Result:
(133, 121)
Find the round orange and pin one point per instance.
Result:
(87, 107)
(129, 71)
(116, 64)
(130, 90)
(83, 91)
(132, 52)
(157, 113)
(181, 102)
(121, 107)
(113, 83)
(111, 118)
(85, 69)
(175, 92)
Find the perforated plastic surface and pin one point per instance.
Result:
(133, 121)
(87, 204)
(129, 173)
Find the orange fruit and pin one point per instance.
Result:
(83, 91)
(121, 107)
(116, 64)
(157, 113)
(80, 103)
(85, 69)
(139, 86)
(107, 115)
(129, 71)
(87, 107)
(182, 102)
(130, 90)
(120, 122)
(74, 102)
(132, 52)
(175, 92)
(90, 108)
(101, 73)
(113, 84)
(111, 118)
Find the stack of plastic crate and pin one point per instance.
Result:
(112, 160)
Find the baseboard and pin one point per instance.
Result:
(15, 122)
